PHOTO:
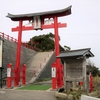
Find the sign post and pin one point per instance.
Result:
(54, 73)
(1, 45)
(1, 57)
(9, 78)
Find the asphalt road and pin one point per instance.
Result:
(10, 94)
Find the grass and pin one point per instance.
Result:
(35, 87)
(44, 79)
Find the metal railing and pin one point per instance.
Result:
(7, 37)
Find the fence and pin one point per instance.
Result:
(7, 37)
(13, 74)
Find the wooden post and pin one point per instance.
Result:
(84, 74)
(23, 74)
(65, 85)
(9, 78)
(54, 77)
(57, 51)
(91, 82)
(17, 69)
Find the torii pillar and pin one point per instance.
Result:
(38, 23)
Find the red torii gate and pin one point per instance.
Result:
(38, 23)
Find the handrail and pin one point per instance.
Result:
(7, 37)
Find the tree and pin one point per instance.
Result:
(92, 68)
(44, 42)
(67, 48)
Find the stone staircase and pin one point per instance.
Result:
(36, 64)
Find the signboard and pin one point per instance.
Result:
(53, 72)
(74, 69)
(37, 22)
(8, 72)
(0, 53)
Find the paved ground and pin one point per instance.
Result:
(12, 94)
(8, 94)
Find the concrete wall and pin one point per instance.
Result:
(46, 72)
(9, 54)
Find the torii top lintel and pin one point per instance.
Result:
(47, 14)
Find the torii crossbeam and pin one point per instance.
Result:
(38, 23)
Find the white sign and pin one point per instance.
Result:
(53, 72)
(37, 22)
(0, 53)
(48, 21)
(8, 72)
(84, 97)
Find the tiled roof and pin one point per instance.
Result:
(60, 12)
(75, 53)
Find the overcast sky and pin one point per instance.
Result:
(83, 25)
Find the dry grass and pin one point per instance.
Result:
(95, 93)
(96, 83)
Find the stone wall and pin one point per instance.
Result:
(9, 55)
(46, 71)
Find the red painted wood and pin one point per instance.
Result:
(9, 78)
(54, 79)
(58, 81)
(91, 82)
(17, 67)
(57, 51)
(23, 74)
(25, 28)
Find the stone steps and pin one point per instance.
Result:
(34, 65)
